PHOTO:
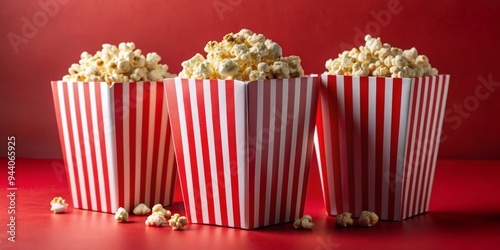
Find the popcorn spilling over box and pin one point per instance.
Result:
(243, 137)
(378, 129)
(115, 134)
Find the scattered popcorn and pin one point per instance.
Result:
(244, 56)
(158, 208)
(58, 205)
(121, 215)
(377, 59)
(141, 209)
(155, 220)
(344, 220)
(304, 222)
(118, 64)
(367, 219)
(178, 222)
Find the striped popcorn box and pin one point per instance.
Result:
(243, 148)
(377, 142)
(116, 143)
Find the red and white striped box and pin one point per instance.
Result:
(377, 142)
(116, 144)
(243, 148)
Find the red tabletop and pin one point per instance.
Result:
(464, 214)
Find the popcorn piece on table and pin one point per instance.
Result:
(344, 220)
(155, 220)
(377, 59)
(367, 219)
(58, 205)
(304, 222)
(158, 209)
(121, 215)
(118, 64)
(245, 56)
(178, 222)
(141, 209)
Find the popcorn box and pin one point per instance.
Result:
(116, 144)
(377, 142)
(243, 148)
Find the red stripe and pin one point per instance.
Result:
(172, 100)
(132, 137)
(363, 97)
(252, 149)
(206, 157)
(144, 138)
(57, 108)
(104, 145)
(279, 122)
(233, 154)
(397, 87)
(119, 118)
(349, 134)
(214, 92)
(417, 150)
(334, 116)
(264, 152)
(379, 143)
(321, 149)
(92, 144)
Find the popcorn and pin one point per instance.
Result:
(367, 219)
(155, 220)
(304, 222)
(377, 59)
(178, 222)
(121, 215)
(344, 220)
(141, 209)
(120, 63)
(245, 56)
(158, 208)
(58, 205)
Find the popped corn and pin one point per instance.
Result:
(344, 220)
(304, 222)
(377, 59)
(121, 215)
(178, 222)
(141, 209)
(58, 205)
(244, 56)
(367, 219)
(118, 64)
(155, 220)
(158, 209)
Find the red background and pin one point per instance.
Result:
(459, 37)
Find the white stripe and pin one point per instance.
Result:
(423, 142)
(343, 144)
(185, 148)
(97, 144)
(67, 146)
(372, 135)
(126, 144)
(150, 140)
(240, 117)
(305, 143)
(170, 181)
(402, 139)
(211, 150)
(198, 150)
(225, 152)
(328, 153)
(108, 111)
(138, 142)
(293, 150)
(426, 154)
(161, 171)
(441, 106)
(356, 108)
(77, 144)
(387, 146)
(258, 149)
(270, 149)
(281, 162)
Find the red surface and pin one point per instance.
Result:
(459, 37)
(464, 214)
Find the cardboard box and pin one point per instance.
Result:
(116, 144)
(243, 148)
(377, 142)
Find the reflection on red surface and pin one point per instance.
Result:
(464, 213)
